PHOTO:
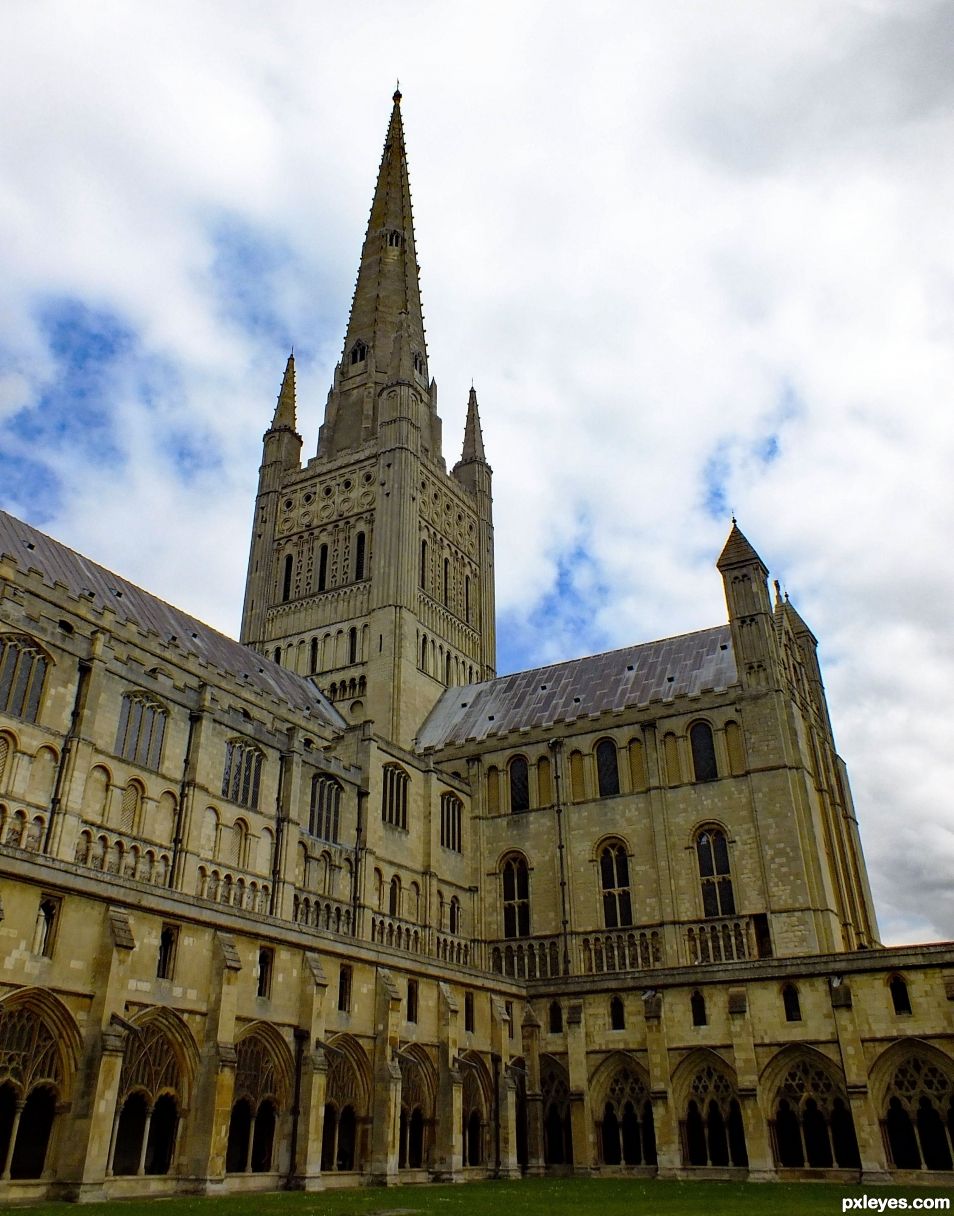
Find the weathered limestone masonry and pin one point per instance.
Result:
(335, 905)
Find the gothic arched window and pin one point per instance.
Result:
(142, 726)
(617, 1014)
(519, 785)
(394, 796)
(242, 775)
(516, 896)
(703, 752)
(22, 672)
(607, 768)
(359, 352)
(697, 1005)
(614, 881)
(451, 815)
(325, 807)
(791, 1003)
(712, 853)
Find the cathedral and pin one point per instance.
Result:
(337, 905)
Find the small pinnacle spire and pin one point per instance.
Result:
(473, 436)
(397, 92)
(285, 409)
(737, 551)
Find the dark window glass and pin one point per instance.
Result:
(607, 768)
(519, 785)
(703, 752)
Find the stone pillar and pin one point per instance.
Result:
(530, 1032)
(207, 1137)
(306, 1168)
(754, 1120)
(387, 1082)
(85, 1141)
(665, 1116)
(874, 1165)
(581, 1117)
(449, 1149)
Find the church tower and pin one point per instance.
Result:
(371, 567)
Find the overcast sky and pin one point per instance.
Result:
(696, 257)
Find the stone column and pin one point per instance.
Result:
(387, 1082)
(581, 1118)
(530, 1032)
(306, 1168)
(758, 1147)
(448, 1149)
(874, 1166)
(665, 1116)
(206, 1141)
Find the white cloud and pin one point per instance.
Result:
(666, 242)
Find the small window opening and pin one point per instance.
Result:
(352, 645)
(556, 1017)
(359, 352)
(697, 1003)
(344, 988)
(166, 959)
(899, 994)
(266, 958)
(412, 1000)
(617, 1014)
(359, 548)
(469, 1012)
(791, 1003)
(286, 579)
(323, 568)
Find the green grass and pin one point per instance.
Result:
(530, 1197)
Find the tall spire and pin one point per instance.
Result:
(473, 436)
(388, 282)
(285, 409)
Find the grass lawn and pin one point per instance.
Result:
(530, 1197)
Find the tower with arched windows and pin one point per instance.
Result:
(371, 566)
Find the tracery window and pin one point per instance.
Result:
(703, 752)
(813, 1125)
(557, 1128)
(323, 817)
(452, 810)
(607, 768)
(712, 1130)
(519, 785)
(142, 727)
(918, 1118)
(242, 775)
(516, 896)
(32, 1079)
(345, 1105)
(149, 1103)
(394, 796)
(22, 672)
(626, 1132)
(712, 854)
(614, 881)
(258, 1096)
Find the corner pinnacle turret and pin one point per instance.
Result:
(285, 408)
(473, 436)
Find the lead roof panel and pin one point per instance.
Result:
(100, 588)
(601, 683)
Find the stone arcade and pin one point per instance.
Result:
(336, 905)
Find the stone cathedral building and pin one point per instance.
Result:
(335, 904)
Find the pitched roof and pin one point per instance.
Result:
(100, 588)
(601, 683)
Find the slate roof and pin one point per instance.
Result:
(56, 563)
(601, 683)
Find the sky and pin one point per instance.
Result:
(695, 257)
